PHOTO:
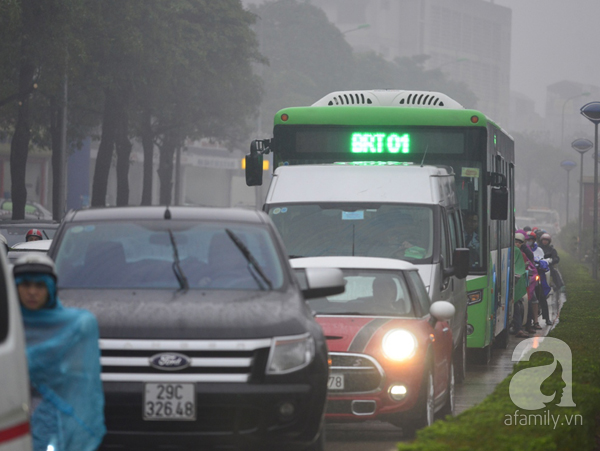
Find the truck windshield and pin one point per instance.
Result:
(141, 255)
(403, 232)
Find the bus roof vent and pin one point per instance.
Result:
(343, 98)
(390, 97)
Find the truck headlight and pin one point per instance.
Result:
(290, 354)
(399, 344)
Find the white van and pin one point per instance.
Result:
(392, 210)
(14, 379)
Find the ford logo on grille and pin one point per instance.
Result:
(170, 361)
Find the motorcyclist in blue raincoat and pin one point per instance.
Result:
(64, 362)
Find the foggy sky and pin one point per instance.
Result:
(553, 40)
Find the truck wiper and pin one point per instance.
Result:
(183, 282)
(251, 260)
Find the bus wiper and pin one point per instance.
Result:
(295, 256)
(251, 260)
(183, 282)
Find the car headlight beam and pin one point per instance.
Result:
(399, 345)
(289, 354)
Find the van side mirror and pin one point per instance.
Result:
(461, 259)
(254, 165)
(499, 203)
(323, 282)
(460, 268)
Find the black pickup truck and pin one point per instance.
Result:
(206, 339)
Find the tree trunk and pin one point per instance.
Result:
(123, 146)
(19, 146)
(55, 128)
(148, 145)
(105, 150)
(165, 168)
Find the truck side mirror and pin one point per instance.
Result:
(254, 166)
(499, 203)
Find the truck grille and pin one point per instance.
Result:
(193, 360)
(362, 373)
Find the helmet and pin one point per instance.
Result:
(527, 228)
(531, 235)
(546, 236)
(34, 232)
(520, 237)
(34, 263)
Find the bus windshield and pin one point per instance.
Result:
(398, 231)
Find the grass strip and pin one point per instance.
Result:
(487, 425)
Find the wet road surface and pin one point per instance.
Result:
(481, 380)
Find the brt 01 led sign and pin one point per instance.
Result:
(380, 143)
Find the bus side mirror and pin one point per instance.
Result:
(499, 203)
(254, 166)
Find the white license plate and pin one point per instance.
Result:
(335, 382)
(167, 401)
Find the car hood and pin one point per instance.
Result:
(353, 333)
(197, 314)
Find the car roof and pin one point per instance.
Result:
(39, 245)
(158, 212)
(348, 262)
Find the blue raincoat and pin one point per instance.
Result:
(64, 370)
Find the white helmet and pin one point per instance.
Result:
(546, 236)
(35, 263)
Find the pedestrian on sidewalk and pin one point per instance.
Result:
(520, 289)
(67, 401)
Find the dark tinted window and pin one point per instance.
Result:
(141, 255)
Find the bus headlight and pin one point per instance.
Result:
(399, 344)
(290, 354)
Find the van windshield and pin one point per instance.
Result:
(141, 255)
(404, 232)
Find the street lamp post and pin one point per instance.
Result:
(582, 146)
(562, 127)
(591, 111)
(568, 165)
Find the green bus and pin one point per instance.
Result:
(421, 128)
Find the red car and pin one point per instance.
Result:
(390, 351)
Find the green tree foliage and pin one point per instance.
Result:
(373, 71)
(177, 70)
(539, 163)
(308, 56)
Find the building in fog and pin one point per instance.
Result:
(469, 40)
(523, 117)
(564, 120)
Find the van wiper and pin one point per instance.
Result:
(183, 282)
(251, 260)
